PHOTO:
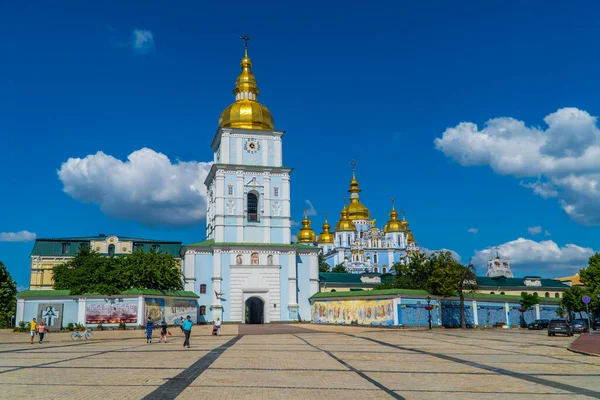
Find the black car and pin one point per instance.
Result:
(596, 323)
(559, 326)
(580, 325)
(538, 324)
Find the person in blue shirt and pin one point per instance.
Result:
(187, 329)
(149, 328)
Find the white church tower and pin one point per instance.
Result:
(247, 269)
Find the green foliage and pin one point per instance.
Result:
(8, 297)
(571, 300)
(590, 276)
(411, 275)
(99, 327)
(90, 272)
(323, 266)
(340, 268)
(529, 300)
(122, 325)
(70, 326)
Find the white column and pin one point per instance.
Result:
(292, 288)
(20, 311)
(239, 206)
(314, 274)
(277, 158)
(475, 316)
(537, 311)
(225, 140)
(81, 308)
(507, 311)
(267, 203)
(141, 313)
(396, 302)
(189, 270)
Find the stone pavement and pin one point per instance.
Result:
(301, 362)
(588, 343)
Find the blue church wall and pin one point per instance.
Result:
(70, 308)
(276, 235)
(412, 312)
(230, 233)
(548, 312)
(451, 313)
(490, 313)
(284, 274)
(225, 286)
(303, 274)
(203, 273)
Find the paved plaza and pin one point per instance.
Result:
(293, 362)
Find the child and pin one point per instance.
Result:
(218, 326)
(41, 329)
(163, 331)
(149, 327)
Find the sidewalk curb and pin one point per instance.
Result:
(587, 353)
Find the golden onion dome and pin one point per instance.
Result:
(409, 236)
(345, 224)
(394, 225)
(356, 210)
(246, 112)
(326, 236)
(306, 234)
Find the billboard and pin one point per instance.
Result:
(171, 310)
(361, 312)
(107, 313)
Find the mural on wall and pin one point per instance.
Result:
(171, 310)
(51, 314)
(110, 313)
(361, 312)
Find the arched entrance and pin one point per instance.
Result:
(254, 310)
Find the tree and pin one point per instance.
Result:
(90, 272)
(8, 297)
(571, 300)
(447, 277)
(527, 301)
(323, 266)
(340, 268)
(590, 276)
(411, 275)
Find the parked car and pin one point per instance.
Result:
(596, 323)
(559, 326)
(580, 325)
(538, 324)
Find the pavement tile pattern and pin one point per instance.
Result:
(307, 362)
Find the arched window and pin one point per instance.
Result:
(333, 290)
(376, 269)
(375, 257)
(557, 295)
(535, 293)
(252, 207)
(491, 292)
(270, 259)
(502, 293)
(546, 294)
(238, 259)
(254, 259)
(202, 310)
(384, 270)
(230, 190)
(203, 289)
(111, 249)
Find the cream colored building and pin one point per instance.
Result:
(47, 253)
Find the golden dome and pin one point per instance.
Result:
(393, 225)
(326, 236)
(306, 234)
(246, 112)
(410, 238)
(345, 224)
(356, 210)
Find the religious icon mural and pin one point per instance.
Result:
(155, 308)
(51, 314)
(110, 312)
(354, 312)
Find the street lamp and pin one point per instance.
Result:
(429, 307)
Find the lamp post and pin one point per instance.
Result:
(428, 307)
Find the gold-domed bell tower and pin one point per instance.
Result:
(345, 230)
(246, 112)
(357, 212)
(409, 235)
(394, 228)
(306, 234)
(326, 239)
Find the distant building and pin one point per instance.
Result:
(573, 280)
(48, 253)
(499, 266)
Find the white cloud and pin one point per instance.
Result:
(428, 252)
(545, 256)
(21, 236)
(546, 233)
(294, 238)
(534, 230)
(473, 230)
(21, 288)
(142, 41)
(147, 188)
(295, 223)
(562, 161)
(310, 211)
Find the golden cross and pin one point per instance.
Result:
(325, 215)
(403, 212)
(305, 212)
(245, 38)
(353, 163)
(393, 201)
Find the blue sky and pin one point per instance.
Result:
(377, 83)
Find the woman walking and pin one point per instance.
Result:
(41, 329)
(149, 327)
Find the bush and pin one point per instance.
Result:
(99, 327)
(122, 325)
(70, 326)
(80, 327)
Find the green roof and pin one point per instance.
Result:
(501, 281)
(53, 246)
(128, 292)
(211, 242)
(348, 278)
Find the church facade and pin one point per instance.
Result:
(247, 270)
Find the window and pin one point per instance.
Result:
(557, 295)
(202, 310)
(375, 257)
(546, 294)
(491, 292)
(276, 191)
(270, 259)
(230, 190)
(376, 269)
(535, 293)
(502, 293)
(384, 270)
(111, 249)
(203, 289)
(155, 247)
(65, 248)
(254, 259)
(252, 207)
(333, 290)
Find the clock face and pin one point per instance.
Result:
(252, 146)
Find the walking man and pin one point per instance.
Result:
(32, 329)
(187, 329)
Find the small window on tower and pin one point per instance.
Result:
(252, 207)
(203, 289)
(111, 249)
(276, 191)
(375, 258)
(202, 310)
(65, 248)
(230, 190)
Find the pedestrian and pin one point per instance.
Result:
(181, 324)
(149, 327)
(41, 329)
(163, 331)
(187, 329)
(32, 329)
(218, 326)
